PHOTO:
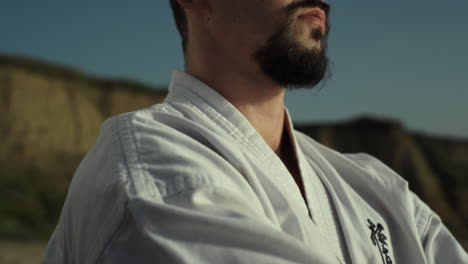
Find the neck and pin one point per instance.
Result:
(258, 98)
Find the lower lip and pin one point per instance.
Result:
(313, 20)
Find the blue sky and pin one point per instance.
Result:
(406, 60)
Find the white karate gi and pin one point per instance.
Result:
(191, 181)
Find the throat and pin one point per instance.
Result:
(289, 158)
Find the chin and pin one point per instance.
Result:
(312, 45)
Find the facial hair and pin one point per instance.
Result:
(287, 62)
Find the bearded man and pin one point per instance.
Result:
(217, 174)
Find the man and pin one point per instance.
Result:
(216, 173)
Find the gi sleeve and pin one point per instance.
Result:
(203, 225)
(439, 245)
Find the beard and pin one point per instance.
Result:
(289, 63)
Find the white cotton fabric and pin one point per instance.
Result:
(321, 210)
(191, 181)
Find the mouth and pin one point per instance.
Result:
(314, 16)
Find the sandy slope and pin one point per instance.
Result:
(13, 252)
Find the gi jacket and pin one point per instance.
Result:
(191, 181)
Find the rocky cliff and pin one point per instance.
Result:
(51, 114)
(50, 117)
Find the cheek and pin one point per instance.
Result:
(244, 28)
(248, 23)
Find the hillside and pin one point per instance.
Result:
(51, 115)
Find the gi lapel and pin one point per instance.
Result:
(353, 212)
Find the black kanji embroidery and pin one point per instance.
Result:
(380, 241)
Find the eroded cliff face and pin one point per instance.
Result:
(449, 160)
(50, 117)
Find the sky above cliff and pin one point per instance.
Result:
(406, 60)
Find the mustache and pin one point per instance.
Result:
(308, 3)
